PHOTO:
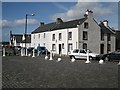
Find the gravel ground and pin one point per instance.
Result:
(28, 72)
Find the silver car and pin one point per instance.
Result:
(82, 54)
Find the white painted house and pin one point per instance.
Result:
(84, 33)
(19, 40)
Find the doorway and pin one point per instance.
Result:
(60, 48)
(101, 48)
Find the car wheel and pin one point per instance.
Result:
(106, 59)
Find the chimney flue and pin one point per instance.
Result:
(42, 23)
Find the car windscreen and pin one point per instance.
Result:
(75, 51)
(42, 48)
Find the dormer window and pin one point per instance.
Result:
(86, 25)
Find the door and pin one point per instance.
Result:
(101, 48)
(83, 54)
(60, 48)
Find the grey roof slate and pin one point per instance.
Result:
(62, 25)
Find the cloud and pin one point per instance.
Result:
(79, 9)
(17, 23)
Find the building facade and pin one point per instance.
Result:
(86, 33)
(19, 40)
(118, 40)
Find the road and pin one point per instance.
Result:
(28, 72)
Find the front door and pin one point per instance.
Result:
(60, 48)
(101, 48)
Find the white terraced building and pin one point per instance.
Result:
(84, 33)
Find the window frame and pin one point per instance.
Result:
(53, 37)
(60, 36)
(53, 47)
(84, 45)
(85, 35)
(86, 25)
(69, 35)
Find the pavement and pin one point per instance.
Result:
(28, 72)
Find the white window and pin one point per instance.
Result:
(69, 35)
(53, 47)
(84, 45)
(60, 36)
(53, 37)
(44, 44)
(34, 36)
(44, 35)
(63, 46)
(70, 47)
(38, 35)
(85, 35)
(86, 25)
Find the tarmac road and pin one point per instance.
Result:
(28, 72)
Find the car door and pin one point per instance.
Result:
(115, 55)
(76, 53)
(83, 54)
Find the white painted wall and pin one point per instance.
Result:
(47, 41)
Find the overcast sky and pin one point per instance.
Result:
(13, 14)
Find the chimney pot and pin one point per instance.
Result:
(42, 23)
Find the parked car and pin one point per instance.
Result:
(17, 48)
(113, 56)
(82, 54)
(30, 50)
(42, 50)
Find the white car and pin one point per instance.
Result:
(82, 54)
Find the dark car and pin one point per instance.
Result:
(42, 50)
(113, 56)
(30, 50)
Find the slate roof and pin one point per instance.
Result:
(105, 29)
(56, 26)
(19, 38)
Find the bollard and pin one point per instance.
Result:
(38, 53)
(101, 61)
(3, 52)
(88, 61)
(46, 56)
(51, 56)
(21, 51)
(59, 58)
(26, 52)
(73, 59)
(33, 53)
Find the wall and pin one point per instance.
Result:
(47, 41)
(93, 42)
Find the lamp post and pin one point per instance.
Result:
(26, 31)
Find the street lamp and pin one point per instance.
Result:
(26, 31)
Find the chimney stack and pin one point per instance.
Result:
(105, 22)
(88, 13)
(42, 23)
(59, 20)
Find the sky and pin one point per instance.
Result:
(13, 14)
